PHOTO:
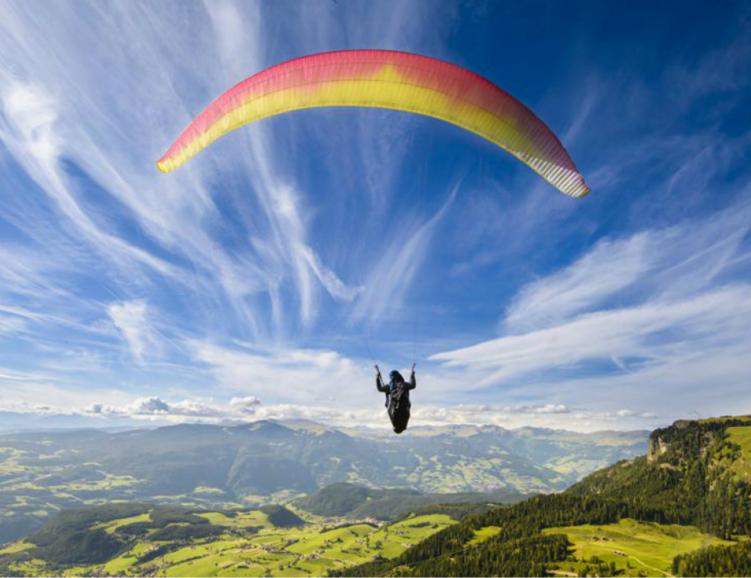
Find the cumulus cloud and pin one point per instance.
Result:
(247, 409)
(552, 408)
(155, 407)
(149, 405)
(632, 413)
(245, 405)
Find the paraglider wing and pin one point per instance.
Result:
(385, 79)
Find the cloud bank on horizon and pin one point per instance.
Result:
(264, 278)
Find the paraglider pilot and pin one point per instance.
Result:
(397, 397)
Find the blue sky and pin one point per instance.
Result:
(265, 277)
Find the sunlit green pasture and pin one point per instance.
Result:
(634, 547)
(309, 550)
(741, 435)
(253, 518)
(33, 567)
(112, 527)
(16, 547)
(250, 546)
(483, 534)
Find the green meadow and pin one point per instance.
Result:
(741, 436)
(483, 534)
(634, 548)
(308, 550)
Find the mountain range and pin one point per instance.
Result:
(267, 461)
(682, 509)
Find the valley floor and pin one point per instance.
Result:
(251, 546)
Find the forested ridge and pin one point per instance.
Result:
(715, 561)
(689, 476)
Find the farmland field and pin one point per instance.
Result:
(275, 542)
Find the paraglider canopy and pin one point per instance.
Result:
(391, 80)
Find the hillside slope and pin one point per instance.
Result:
(694, 476)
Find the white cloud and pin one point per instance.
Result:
(154, 407)
(328, 278)
(240, 410)
(298, 375)
(647, 320)
(245, 405)
(132, 320)
(608, 268)
(250, 409)
(679, 260)
(149, 405)
(29, 129)
(632, 413)
(286, 240)
(552, 408)
(386, 286)
(723, 69)
(649, 333)
(11, 324)
(90, 124)
(230, 245)
(31, 112)
(667, 281)
(26, 390)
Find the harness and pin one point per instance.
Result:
(397, 400)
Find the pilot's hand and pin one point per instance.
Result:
(413, 367)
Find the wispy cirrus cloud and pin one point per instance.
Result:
(45, 134)
(254, 271)
(300, 375)
(645, 333)
(384, 290)
(132, 320)
(678, 260)
(28, 129)
(610, 267)
(661, 311)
